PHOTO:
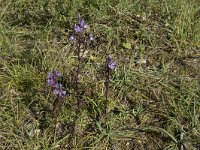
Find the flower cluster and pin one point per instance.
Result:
(111, 64)
(53, 81)
(80, 27)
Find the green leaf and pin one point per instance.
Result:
(127, 45)
(142, 47)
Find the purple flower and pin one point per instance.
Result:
(83, 24)
(56, 91)
(57, 85)
(91, 37)
(72, 38)
(77, 28)
(111, 64)
(60, 93)
(52, 80)
(52, 76)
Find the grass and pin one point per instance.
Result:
(154, 92)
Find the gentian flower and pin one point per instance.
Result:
(57, 88)
(60, 93)
(52, 77)
(72, 38)
(81, 26)
(111, 64)
(77, 28)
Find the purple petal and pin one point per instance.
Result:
(51, 82)
(112, 65)
(77, 28)
(58, 74)
(82, 23)
(62, 94)
(57, 85)
(72, 38)
(56, 91)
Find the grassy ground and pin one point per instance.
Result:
(154, 92)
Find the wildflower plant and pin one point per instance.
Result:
(81, 40)
(57, 88)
